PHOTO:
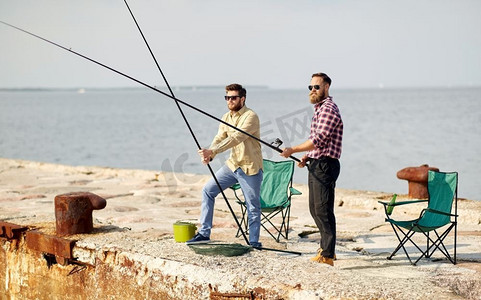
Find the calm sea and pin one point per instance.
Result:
(385, 130)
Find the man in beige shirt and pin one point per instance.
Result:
(243, 166)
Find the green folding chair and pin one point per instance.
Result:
(436, 218)
(276, 193)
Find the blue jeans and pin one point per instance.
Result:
(251, 187)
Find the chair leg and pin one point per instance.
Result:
(403, 241)
(401, 245)
(427, 247)
(439, 245)
(398, 246)
(282, 227)
(286, 225)
(266, 219)
(455, 239)
(433, 245)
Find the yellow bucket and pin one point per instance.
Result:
(183, 231)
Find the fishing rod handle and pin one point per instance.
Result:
(280, 151)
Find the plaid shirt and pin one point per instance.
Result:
(326, 130)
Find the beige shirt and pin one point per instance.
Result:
(246, 151)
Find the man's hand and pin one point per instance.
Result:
(286, 152)
(205, 155)
(303, 161)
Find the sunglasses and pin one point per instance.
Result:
(227, 98)
(316, 87)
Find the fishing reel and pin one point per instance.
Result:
(277, 143)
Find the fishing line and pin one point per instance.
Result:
(150, 87)
(188, 125)
(194, 137)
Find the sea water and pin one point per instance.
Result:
(385, 130)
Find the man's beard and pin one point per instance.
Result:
(237, 107)
(316, 98)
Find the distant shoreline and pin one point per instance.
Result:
(175, 88)
(220, 87)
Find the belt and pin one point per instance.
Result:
(310, 159)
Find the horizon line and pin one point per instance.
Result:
(216, 87)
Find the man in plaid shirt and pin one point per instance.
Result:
(323, 148)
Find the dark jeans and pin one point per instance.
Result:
(323, 174)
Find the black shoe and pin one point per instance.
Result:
(198, 239)
(256, 245)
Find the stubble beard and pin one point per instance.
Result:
(236, 107)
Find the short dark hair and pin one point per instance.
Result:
(324, 77)
(236, 87)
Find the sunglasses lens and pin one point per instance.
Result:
(310, 88)
(227, 98)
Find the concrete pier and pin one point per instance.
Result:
(131, 252)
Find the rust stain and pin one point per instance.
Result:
(216, 295)
(230, 296)
(11, 231)
(127, 263)
(60, 247)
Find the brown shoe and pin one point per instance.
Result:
(319, 255)
(326, 260)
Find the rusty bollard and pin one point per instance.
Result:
(417, 178)
(73, 212)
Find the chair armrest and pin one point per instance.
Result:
(235, 186)
(439, 212)
(402, 202)
(294, 191)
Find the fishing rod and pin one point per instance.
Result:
(188, 124)
(278, 250)
(148, 86)
(151, 87)
(195, 139)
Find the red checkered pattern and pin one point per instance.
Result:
(326, 130)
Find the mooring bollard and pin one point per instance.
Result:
(417, 178)
(73, 212)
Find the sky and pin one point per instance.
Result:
(360, 44)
